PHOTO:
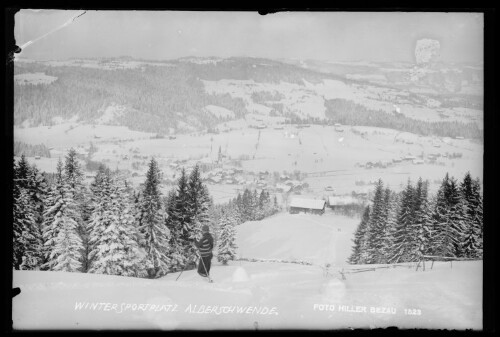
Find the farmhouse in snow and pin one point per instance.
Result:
(314, 206)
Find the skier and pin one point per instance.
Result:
(205, 246)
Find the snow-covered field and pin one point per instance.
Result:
(262, 295)
(249, 295)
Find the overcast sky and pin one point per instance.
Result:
(335, 36)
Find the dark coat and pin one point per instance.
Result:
(205, 245)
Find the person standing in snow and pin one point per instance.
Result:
(205, 246)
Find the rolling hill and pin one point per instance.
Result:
(195, 94)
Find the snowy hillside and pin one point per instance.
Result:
(302, 237)
(263, 295)
(191, 93)
(273, 295)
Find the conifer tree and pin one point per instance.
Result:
(73, 174)
(28, 193)
(226, 246)
(457, 218)
(52, 205)
(113, 238)
(247, 204)
(376, 226)
(403, 239)
(446, 211)
(27, 245)
(181, 213)
(392, 212)
(254, 205)
(359, 239)
(420, 229)
(199, 203)
(473, 231)
(65, 242)
(152, 226)
(239, 207)
(73, 177)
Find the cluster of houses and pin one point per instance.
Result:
(290, 186)
(224, 176)
(318, 206)
(259, 179)
(386, 163)
(430, 158)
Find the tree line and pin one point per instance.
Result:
(349, 113)
(30, 150)
(406, 226)
(108, 227)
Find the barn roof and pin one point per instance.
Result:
(307, 203)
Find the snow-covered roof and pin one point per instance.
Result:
(341, 200)
(307, 203)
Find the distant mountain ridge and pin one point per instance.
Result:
(173, 95)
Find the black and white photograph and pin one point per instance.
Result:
(229, 170)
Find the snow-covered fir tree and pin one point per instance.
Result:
(66, 256)
(27, 245)
(113, 237)
(53, 204)
(247, 205)
(226, 250)
(254, 205)
(376, 226)
(73, 174)
(448, 219)
(403, 238)
(360, 238)
(28, 193)
(457, 218)
(176, 250)
(473, 233)
(65, 243)
(389, 215)
(73, 177)
(152, 225)
(420, 229)
(198, 203)
(180, 215)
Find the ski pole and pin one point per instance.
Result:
(185, 267)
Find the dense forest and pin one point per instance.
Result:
(107, 227)
(411, 225)
(30, 150)
(349, 113)
(155, 95)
